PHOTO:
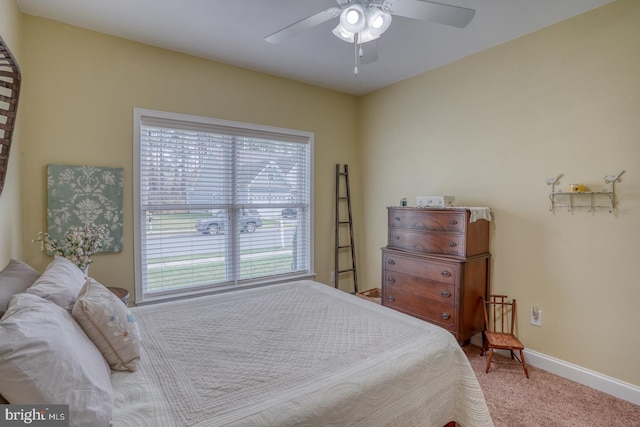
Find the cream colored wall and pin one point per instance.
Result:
(489, 130)
(81, 88)
(11, 242)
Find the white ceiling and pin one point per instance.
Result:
(233, 31)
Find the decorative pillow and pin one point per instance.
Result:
(59, 283)
(109, 324)
(15, 277)
(45, 357)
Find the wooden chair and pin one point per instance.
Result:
(499, 320)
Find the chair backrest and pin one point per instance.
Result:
(499, 314)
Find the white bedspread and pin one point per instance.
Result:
(297, 354)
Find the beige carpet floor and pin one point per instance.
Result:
(544, 399)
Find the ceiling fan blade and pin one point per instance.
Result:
(369, 52)
(302, 25)
(436, 12)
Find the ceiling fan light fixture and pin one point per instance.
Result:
(368, 24)
(377, 21)
(367, 35)
(340, 32)
(353, 18)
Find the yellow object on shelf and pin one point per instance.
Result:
(577, 188)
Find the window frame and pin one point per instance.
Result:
(139, 116)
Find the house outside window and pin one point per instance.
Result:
(219, 205)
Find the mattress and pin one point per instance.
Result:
(295, 354)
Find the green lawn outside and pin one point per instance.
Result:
(214, 255)
(184, 274)
(177, 276)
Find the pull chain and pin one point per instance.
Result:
(355, 51)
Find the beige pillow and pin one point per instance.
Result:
(59, 283)
(109, 324)
(15, 277)
(46, 358)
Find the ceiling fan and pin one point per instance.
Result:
(363, 21)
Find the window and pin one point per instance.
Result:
(219, 204)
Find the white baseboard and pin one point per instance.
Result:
(595, 380)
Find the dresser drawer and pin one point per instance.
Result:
(437, 231)
(427, 242)
(428, 219)
(428, 270)
(436, 291)
(436, 312)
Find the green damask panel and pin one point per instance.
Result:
(85, 195)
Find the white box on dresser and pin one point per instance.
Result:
(435, 201)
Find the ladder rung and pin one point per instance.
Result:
(344, 222)
(345, 246)
(342, 198)
(347, 270)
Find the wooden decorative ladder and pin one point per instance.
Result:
(342, 197)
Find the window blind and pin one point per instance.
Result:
(220, 203)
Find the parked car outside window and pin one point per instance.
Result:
(249, 220)
(289, 213)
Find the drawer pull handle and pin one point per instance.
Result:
(397, 237)
(445, 294)
(445, 316)
(446, 273)
(391, 262)
(391, 280)
(397, 218)
(453, 222)
(453, 244)
(390, 298)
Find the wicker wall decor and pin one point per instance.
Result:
(9, 92)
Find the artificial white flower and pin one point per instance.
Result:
(78, 245)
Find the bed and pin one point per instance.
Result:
(300, 353)
(295, 354)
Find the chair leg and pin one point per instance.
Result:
(484, 344)
(489, 359)
(524, 364)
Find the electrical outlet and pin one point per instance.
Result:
(333, 276)
(535, 316)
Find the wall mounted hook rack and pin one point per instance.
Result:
(584, 199)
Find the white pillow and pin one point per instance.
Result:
(59, 283)
(109, 324)
(45, 358)
(15, 277)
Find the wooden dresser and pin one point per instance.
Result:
(436, 266)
